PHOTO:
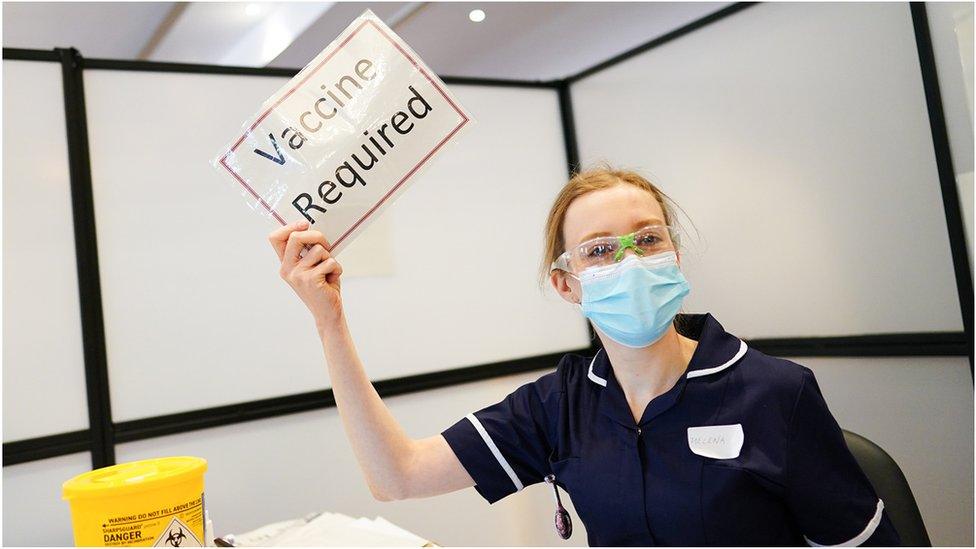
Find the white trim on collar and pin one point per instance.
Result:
(860, 538)
(694, 373)
(593, 377)
(719, 368)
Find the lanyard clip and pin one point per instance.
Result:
(564, 524)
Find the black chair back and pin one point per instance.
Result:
(892, 487)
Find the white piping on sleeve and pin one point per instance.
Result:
(731, 361)
(860, 538)
(495, 451)
(593, 377)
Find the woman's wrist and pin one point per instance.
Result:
(332, 327)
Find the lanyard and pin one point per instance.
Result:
(564, 524)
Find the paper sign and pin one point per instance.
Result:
(346, 135)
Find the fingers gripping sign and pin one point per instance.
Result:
(309, 268)
(279, 237)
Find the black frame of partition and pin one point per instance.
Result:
(103, 434)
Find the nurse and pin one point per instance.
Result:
(674, 433)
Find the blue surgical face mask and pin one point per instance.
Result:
(634, 301)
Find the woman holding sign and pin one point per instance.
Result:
(674, 433)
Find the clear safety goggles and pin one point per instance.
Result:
(607, 250)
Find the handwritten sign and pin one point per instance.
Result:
(346, 135)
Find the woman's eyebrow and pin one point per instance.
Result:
(593, 235)
(647, 222)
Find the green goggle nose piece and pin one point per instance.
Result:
(627, 241)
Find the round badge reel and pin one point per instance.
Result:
(562, 520)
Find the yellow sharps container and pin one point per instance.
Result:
(154, 502)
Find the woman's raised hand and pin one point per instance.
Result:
(314, 277)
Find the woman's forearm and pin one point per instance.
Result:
(382, 448)
(395, 465)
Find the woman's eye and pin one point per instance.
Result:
(648, 240)
(599, 250)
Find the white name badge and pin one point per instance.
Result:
(716, 441)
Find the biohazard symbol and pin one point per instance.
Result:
(175, 539)
(177, 534)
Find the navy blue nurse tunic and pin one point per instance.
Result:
(741, 451)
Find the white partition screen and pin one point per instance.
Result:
(190, 285)
(41, 312)
(796, 137)
(33, 512)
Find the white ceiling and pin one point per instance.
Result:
(244, 36)
(522, 40)
(97, 29)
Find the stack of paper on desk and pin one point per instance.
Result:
(330, 530)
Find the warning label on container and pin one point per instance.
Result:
(177, 534)
(177, 526)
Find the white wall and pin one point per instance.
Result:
(43, 366)
(953, 48)
(964, 184)
(796, 137)
(190, 285)
(951, 26)
(33, 512)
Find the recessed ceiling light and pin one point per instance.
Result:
(252, 9)
(477, 16)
